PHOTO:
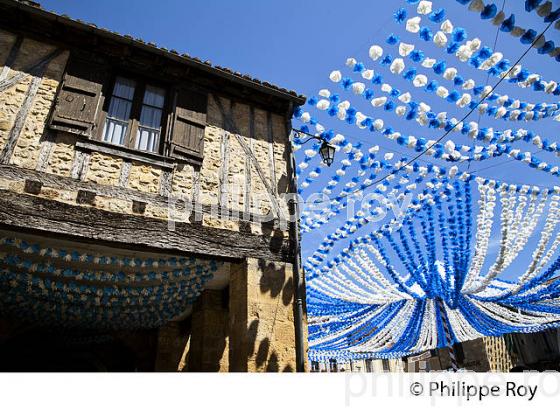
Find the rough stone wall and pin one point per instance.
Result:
(28, 144)
(173, 341)
(262, 292)
(209, 350)
(261, 317)
(268, 143)
(103, 169)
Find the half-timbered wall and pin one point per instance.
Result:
(56, 181)
(244, 166)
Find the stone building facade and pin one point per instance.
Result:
(119, 159)
(513, 352)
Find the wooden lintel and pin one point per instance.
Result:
(27, 213)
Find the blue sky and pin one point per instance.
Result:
(296, 44)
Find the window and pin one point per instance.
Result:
(333, 367)
(118, 115)
(147, 137)
(131, 113)
(386, 366)
(134, 115)
(314, 366)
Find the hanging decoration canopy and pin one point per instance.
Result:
(396, 290)
(378, 299)
(73, 288)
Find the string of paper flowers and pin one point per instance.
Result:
(473, 50)
(526, 36)
(80, 289)
(377, 292)
(365, 305)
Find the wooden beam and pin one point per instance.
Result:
(19, 122)
(47, 146)
(271, 153)
(165, 181)
(43, 216)
(125, 173)
(248, 162)
(233, 127)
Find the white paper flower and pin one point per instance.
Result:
(474, 44)
(405, 49)
(413, 24)
(344, 105)
(464, 100)
(405, 98)
(358, 88)
(440, 39)
(550, 87)
(424, 7)
(397, 66)
(422, 119)
(476, 5)
(442, 92)
(428, 62)
(447, 27)
(379, 101)
(400, 110)
(335, 76)
(469, 84)
(453, 171)
(323, 105)
(499, 18)
(351, 62)
(368, 74)
(464, 53)
(386, 88)
(450, 73)
(491, 61)
(375, 52)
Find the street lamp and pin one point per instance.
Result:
(327, 153)
(327, 150)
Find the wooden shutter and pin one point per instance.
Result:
(78, 99)
(189, 123)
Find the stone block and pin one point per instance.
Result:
(33, 186)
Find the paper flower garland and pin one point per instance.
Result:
(75, 289)
(376, 292)
(364, 306)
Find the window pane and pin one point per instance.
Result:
(119, 108)
(150, 117)
(124, 88)
(116, 124)
(154, 96)
(115, 131)
(147, 137)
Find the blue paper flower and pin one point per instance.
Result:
(528, 37)
(489, 11)
(426, 34)
(400, 15)
(437, 16)
(508, 24)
